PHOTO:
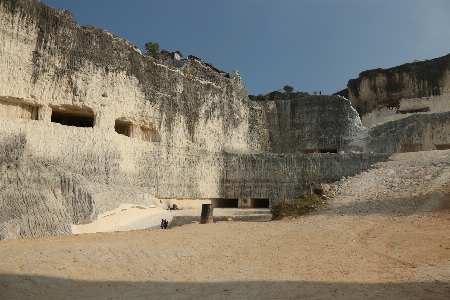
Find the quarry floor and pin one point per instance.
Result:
(384, 235)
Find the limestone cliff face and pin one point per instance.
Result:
(54, 64)
(382, 95)
(417, 132)
(315, 124)
(140, 128)
(89, 123)
(35, 198)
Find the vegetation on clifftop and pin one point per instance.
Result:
(288, 94)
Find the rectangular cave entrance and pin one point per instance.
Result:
(443, 147)
(355, 148)
(411, 148)
(225, 203)
(124, 128)
(311, 151)
(328, 151)
(259, 203)
(18, 109)
(416, 110)
(146, 133)
(73, 117)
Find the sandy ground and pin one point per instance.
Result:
(385, 235)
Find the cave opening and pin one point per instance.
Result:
(443, 147)
(73, 118)
(17, 108)
(328, 151)
(312, 151)
(416, 110)
(259, 203)
(124, 128)
(225, 203)
(411, 148)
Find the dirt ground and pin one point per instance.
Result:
(384, 235)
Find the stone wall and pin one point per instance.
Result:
(315, 124)
(419, 132)
(285, 176)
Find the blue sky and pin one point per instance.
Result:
(310, 45)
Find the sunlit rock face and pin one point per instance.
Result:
(417, 132)
(89, 124)
(384, 95)
(52, 64)
(314, 124)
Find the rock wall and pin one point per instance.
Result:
(46, 188)
(285, 176)
(89, 123)
(52, 63)
(419, 132)
(35, 202)
(383, 95)
(315, 124)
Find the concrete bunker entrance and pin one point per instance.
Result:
(70, 116)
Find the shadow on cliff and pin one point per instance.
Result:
(41, 287)
(430, 203)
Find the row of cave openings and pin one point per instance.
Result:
(78, 117)
(236, 203)
(84, 117)
(419, 147)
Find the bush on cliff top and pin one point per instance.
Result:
(305, 203)
(288, 89)
(152, 48)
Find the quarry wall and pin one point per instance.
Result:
(383, 95)
(89, 123)
(45, 194)
(315, 124)
(418, 132)
(52, 64)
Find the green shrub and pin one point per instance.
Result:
(288, 89)
(260, 97)
(152, 48)
(299, 206)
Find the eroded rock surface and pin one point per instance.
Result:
(383, 95)
(98, 124)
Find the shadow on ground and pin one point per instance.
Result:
(436, 202)
(40, 287)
